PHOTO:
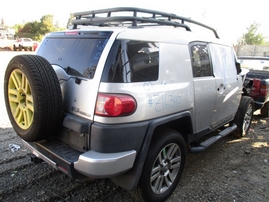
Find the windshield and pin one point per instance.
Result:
(254, 63)
(76, 55)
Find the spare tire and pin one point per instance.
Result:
(33, 97)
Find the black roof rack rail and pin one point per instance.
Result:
(103, 17)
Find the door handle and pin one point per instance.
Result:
(221, 89)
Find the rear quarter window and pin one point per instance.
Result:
(132, 61)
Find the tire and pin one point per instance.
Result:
(244, 116)
(265, 110)
(33, 97)
(166, 173)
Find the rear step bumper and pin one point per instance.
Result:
(207, 143)
(78, 165)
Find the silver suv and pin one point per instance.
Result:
(124, 94)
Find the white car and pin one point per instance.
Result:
(23, 44)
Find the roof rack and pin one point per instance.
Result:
(110, 17)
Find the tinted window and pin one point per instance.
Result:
(200, 61)
(132, 61)
(78, 56)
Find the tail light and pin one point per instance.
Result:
(114, 105)
(263, 90)
(256, 84)
(255, 89)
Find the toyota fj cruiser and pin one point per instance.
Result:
(124, 94)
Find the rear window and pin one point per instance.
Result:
(132, 61)
(77, 55)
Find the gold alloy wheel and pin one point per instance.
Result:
(20, 99)
(33, 97)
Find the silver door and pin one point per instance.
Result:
(227, 84)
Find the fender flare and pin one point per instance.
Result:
(130, 179)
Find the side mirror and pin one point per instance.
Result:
(238, 67)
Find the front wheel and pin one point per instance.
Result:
(163, 166)
(244, 116)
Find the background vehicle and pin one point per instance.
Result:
(23, 44)
(110, 98)
(256, 84)
(6, 38)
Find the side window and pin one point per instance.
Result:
(201, 65)
(224, 62)
(132, 61)
(144, 61)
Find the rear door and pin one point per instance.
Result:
(78, 59)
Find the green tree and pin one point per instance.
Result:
(37, 29)
(46, 24)
(252, 36)
(30, 30)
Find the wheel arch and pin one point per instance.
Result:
(180, 122)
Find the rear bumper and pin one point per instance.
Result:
(100, 165)
(77, 165)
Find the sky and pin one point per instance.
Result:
(229, 18)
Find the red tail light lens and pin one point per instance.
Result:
(264, 90)
(256, 83)
(114, 105)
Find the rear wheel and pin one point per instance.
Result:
(163, 166)
(33, 97)
(244, 116)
